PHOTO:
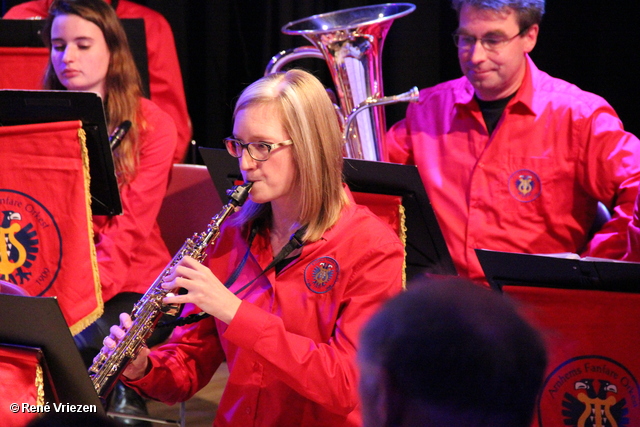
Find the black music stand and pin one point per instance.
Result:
(517, 269)
(426, 249)
(27, 33)
(37, 322)
(20, 107)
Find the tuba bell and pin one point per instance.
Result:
(351, 41)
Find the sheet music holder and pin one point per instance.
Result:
(517, 269)
(38, 322)
(27, 33)
(425, 246)
(21, 107)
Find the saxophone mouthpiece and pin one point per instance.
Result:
(238, 194)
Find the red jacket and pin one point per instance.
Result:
(633, 250)
(165, 77)
(130, 250)
(291, 346)
(533, 185)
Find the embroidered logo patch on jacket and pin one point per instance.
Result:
(321, 274)
(525, 185)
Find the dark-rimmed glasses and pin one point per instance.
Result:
(259, 151)
(490, 43)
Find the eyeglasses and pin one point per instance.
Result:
(259, 151)
(491, 43)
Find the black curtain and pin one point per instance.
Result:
(224, 45)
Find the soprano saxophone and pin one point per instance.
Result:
(107, 367)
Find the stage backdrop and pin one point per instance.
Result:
(224, 45)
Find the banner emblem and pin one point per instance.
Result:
(25, 259)
(589, 391)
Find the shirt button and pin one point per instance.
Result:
(247, 411)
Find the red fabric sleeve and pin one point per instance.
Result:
(633, 246)
(399, 144)
(165, 76)
(613, 158)
(177, 368)
(121, 238)
(323, 372)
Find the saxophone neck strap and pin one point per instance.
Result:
(294, 243)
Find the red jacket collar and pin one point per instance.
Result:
(464, 96)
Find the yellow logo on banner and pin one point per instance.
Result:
(30, 245)
(12, 253)
(590, 391)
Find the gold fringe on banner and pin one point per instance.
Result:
(39, 385)
(94, 315)
(402, 232)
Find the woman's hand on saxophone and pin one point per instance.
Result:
(203, 289)
(138, 367)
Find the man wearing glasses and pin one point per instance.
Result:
(513, 159)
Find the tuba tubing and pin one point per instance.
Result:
(412, 95)
(282, 58)
(350, 41)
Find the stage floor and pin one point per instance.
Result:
(200, 409)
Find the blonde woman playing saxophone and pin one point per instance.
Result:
(288, 331)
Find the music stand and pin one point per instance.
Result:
(21, 107)
(38, 322)
(518, 269)
(426, 249)
(27, 33)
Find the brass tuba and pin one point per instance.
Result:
(351, 42)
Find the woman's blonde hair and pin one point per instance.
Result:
(122, 85)
(301, 103)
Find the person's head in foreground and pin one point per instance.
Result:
(449, 353)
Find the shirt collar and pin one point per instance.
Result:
(50, 2)
(347, 211)
(464, 96)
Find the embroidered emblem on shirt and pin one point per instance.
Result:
(525, 185)
(321, 274)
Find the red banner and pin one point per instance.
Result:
(594, 355)
(21, 385)
(390, 210)
(45, 218)
(387, 208)
(22, 67)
